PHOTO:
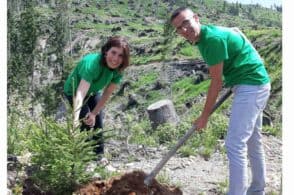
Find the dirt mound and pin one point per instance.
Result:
(128, 184)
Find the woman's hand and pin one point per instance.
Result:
(90, 119)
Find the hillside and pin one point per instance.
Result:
(47, 38)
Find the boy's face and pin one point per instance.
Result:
(187, 25)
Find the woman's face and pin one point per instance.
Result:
(114, 57)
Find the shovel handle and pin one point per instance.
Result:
(159, 166)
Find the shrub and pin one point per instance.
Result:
(60, 154)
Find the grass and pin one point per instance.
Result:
(275, 130)
(190, 51)
(146, 79)
(138, 60)
(222, 187)
(185, 90)
(164, 178)
(93, 10)
(88, 25)
(140, 135)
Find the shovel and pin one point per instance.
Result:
(159, 166)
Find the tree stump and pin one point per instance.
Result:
(161, 112)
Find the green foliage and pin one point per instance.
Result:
(166, 133)
(222, 187)
(146, 59)
(94, 10)
(61, 154)
(190, 51)
(140, 134)
(187, 151)
(146, 79)
(273, 130)
(153, 96)
(163, 178)
(169, 35)
(234, 9)
(204, 143)
(22, 38)
(104, 173)
(28, 29)
(185, 90)
(14, 137)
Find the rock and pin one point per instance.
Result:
(158, 85)
(123, 87)
(132, 101)
(115, 29)
(199, 79)
(61, 111)
(52, 58)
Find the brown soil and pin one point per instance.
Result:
(128, 184)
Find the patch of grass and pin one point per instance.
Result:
(141, 40)
(204, 143)
(190, 51)
(166, 133)
(222, 187)
(256, 33)
(137, 60)
(187, 151)
(104, 173)
(185, 90)
(163, 177)
(94, 10)
(274, 130)
(45, 11)
(274, 193)
(153, 96)
(140, 135)
(83, 25)
(136, 25)
(156, 27)
(146, 79)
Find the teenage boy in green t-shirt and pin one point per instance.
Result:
(230, 56)
(94, 73)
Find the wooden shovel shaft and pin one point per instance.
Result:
(159, 166)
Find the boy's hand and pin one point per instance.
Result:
(200, 123)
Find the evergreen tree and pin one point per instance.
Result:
(22, 39)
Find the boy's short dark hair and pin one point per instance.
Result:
(177, 12)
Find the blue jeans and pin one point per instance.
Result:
(244, 139)
(86, 108)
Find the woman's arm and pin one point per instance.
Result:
(78, 99)
(90, 119)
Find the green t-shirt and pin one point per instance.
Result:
(91, 70)
(242, 63)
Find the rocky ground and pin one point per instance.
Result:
(194, 174)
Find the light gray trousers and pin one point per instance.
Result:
(244, 139)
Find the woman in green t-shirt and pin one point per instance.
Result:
(95, 73)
